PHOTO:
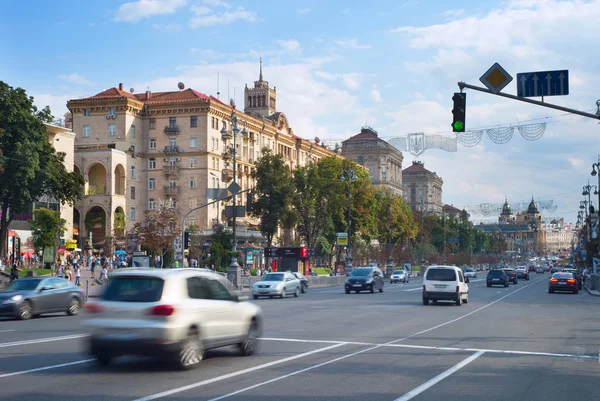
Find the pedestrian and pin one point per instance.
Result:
(14, 273)
(104, 275)
(77, 276)
(60, 271)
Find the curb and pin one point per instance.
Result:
(592, 293)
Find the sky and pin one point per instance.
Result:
(339, 65)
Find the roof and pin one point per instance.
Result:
(416, 167)
(155, 97)
(450, 208)
(367, 135)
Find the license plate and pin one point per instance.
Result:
(496, 279)
(440, 286)
(562, 282)
(357, 285)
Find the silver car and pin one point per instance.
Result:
(278, 284)
(399, 276)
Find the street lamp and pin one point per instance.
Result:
(350, 176)
(230, 143)
(422, 210)
(595, 170)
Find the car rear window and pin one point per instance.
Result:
(441, 275)
(134, 289)
(496, 273)
(562, 275)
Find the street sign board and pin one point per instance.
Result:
(342, 238)
(496, 78)
(216, 193)
(543, 83)
(583, 254)
(234, 188)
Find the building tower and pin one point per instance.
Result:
(260, 100)
(506, 216)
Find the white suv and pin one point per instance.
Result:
(445, 283)
(173, 314)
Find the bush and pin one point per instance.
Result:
(253, 272)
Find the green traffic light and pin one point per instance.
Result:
(458, 126)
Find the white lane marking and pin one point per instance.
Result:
(466, 315)
(432, 347)
(62, 365)
(6, 331)
(41, 340)
(430, 383)
(412, 289)
(234, 374)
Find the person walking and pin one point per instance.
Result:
(77, 276)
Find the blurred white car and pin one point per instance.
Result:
(173, 314)
(399, 276)
(469, 272)
(278, 284)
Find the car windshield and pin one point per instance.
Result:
(468, 269)
(273, 277)
(361, 272)
(441, 275)
(22, 285)
(134, 289)
(399, 272)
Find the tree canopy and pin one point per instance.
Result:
(47, 228)
(158, 232)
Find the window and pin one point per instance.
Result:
(87, 112)
(193, 182)
(215, 163)
(131, 213)
(151, 164)
(151, 183)
(132, 192)
(172, 142)
(224, 125)
(198, 288)
(383, 173)
(112, 129)
(193, 203)
(132, 171)
(151, 204)
(193, 121)
(152, 143)
(218, 291)
(193, 142)
(172, 122)
(193, 162)
(112, 112)
(191, 221)
(172, 161)
(152, 123)
(132, 131)
(86, 131)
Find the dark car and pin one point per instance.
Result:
(496, 277)
(563, 281)
(303, 281)
(578, 276)
(512, 275)
(364, 279)
(28, 297)
(522, 273)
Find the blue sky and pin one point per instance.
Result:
(338, 65)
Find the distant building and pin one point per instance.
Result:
(382, 159)
(558, 235)
(450, 210)
(420, 184)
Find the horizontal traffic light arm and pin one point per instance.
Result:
(463, 85)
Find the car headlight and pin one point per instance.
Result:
(369, 281)
(13, 299)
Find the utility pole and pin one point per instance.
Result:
(444, 236)
(422, 207)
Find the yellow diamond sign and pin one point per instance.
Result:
(496, 78)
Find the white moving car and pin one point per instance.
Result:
(277, 284)
(470, 272)
(445, 283)
(399, 276)
(173, 314)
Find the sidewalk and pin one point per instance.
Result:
(592, 292)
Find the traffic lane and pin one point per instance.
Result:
(530, 320)
(367, 373)
(44, 326)
(509, 377)
(129, 377)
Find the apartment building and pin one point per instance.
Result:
(139, 150)
(420, 184)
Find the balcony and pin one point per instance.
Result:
(171, 130)
(171, 170)
(226, 174)
(171, 190)
(171, 150)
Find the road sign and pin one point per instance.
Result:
(216, 193)
(234, 188)
(496, 78)
(342, 238)
(583, 254)
(543, 83)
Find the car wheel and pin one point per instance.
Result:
(347, 291)
(303, 288)
(251, 343)
(357, 291)
(466, 300)
(459, 299)
(296, 293)
(391, 282)
(575, 291)
(191, 352)
(283, 294)
(74, 307)
(25, 311)
(425, 301)
(372, 288)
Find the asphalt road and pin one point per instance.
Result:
(518, 343)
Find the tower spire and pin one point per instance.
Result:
(260, 77)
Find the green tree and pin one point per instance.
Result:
(47, 228)
(158, 232)
(221, 249)
(31, 167)
(195, 241)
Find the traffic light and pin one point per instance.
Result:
(249, 201)
(459, 112)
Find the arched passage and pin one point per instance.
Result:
(76, 228)
(97, 179)
(95, 223)
(119, 180)
(119, 221)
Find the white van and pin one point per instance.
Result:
(445, 283)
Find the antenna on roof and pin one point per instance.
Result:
(218, 93)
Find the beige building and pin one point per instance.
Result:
(382, 159)
(420, 184)
(137, 151)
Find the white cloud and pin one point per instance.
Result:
(289, 45)
(350, 80)
(205, 16)
(455, 13)
(137, 10)
(351, 44)
(167, 28)
(75, 78)
(303, 11)
(216, 3)
(376, 95)
(57, 103)
(575, 162)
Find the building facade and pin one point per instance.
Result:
(138, 151)
(420, 184)
(382, 159)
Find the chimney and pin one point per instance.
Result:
(121, 86)
(148, 95)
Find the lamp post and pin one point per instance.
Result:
(587, 190)
(350, 176)
(422, 210)
(595, 170)
(230, 143)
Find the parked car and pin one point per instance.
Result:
(445, 283)
(563, 281)
(512, 275)
(277, 284)
(32, 296)
(364, 279)
(496, 277)
(399, 276)
(172, 314)
(303, 281)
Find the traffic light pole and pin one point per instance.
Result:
(463, 85)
